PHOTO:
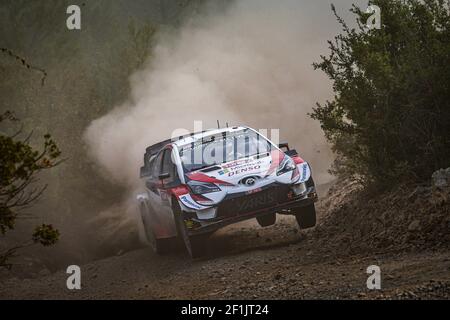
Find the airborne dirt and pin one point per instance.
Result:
(249, 262)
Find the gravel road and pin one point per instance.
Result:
(248, 262)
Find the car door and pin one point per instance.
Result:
(171, 180)
(162, 186)
(152, 184)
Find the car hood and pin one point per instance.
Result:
(232, 178)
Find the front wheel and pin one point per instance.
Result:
(306, 216)
(195, 245)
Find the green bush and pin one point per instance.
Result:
(390, 118)
(19, 165)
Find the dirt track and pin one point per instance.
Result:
(248, 262)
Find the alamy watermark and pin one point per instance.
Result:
(374, 280)
(231, 144)
(374, 21)
(74, 280)
(73, 21)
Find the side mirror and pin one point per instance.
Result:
(291, 153)
(164, 176)
(284, 145)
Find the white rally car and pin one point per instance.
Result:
(201, 182)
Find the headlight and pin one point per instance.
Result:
(202, 187)
(286, 165)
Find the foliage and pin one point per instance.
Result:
(19, 165)
(46, 235)
(87, 75)
(390, 117)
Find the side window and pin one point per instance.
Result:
(151, 163)
(169, 166)
(157, 165)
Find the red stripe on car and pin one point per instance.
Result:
(201, 177)
(277, 157)
(179, 191)
(297, 159)
(198, 197)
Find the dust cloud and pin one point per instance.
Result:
(247, 64)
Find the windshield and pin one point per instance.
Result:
(225, 147)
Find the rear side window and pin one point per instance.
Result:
(150, 165)
(168, 165)
(157, 165)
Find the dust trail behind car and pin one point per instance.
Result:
(246, 63)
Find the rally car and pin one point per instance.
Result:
(201, 182)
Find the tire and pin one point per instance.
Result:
(159, 246)
(267, 219)
(306, 216)
(195, 245)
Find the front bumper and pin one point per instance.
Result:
(197, 226)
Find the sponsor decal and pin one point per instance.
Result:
(236, 163)
(304, 169)
(264, 199)
(240, 163)
(190, 203)
(242, 170)
(233, 168)
(224, 171)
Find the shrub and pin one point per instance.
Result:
(390, 118)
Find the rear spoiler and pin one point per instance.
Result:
(154, 149)
(149, 153)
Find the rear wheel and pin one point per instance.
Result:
(267, 219)
(159, 246)
(306, 216)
